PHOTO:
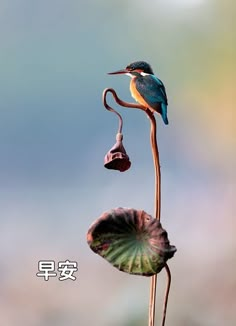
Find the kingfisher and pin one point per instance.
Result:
(146, 88)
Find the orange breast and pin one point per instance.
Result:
(136, 95)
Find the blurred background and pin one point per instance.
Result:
(54, 133)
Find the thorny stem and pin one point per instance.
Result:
(157, 204)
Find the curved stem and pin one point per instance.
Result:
(112, 110)
(156, 161)
(120, 102)
(153, 141)
(166, 295)
(157, 210)
(157, 204)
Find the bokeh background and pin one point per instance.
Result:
(54, 133)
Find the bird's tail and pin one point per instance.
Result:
(164, 113)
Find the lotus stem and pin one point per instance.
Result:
(157, 198)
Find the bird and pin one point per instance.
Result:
(146, 88)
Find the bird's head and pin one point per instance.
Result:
(134, 69)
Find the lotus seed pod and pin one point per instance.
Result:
(116, 158)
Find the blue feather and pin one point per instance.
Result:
(164, 113)
(153, 92)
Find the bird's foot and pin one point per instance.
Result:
(150, 111)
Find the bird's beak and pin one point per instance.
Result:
(122, 71)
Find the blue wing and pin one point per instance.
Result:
(153, 91)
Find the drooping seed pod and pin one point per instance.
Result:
(116, 158)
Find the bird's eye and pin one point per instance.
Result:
(129, 68)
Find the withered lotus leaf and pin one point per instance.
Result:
(131, 240)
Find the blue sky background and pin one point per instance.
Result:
(54, 133)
